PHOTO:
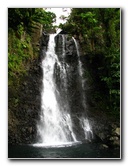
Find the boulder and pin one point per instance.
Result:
(104, 146)
(117, 131)
(101, 136)
(116, 142)
(113, 138)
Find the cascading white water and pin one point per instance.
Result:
(83, 121)
(55, 125)
(87, 128)
(80, 69)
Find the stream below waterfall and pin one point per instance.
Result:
(82, 151)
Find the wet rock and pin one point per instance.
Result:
(65, 42)
(101, 136)
(116, 142)
(104, 146)
(62, 32)
(30, 129)
(28, 108)
(114, 138)
(44, 39)
(117, 131)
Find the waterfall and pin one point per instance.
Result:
(56, 125)
(80, 69)
(84, 121)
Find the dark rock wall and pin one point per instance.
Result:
(102, 125)
(27, 110)
(23, 116)
(72, 94)
(70, 62)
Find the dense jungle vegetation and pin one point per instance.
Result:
(24, 30)
(96, 29)
(98, 32)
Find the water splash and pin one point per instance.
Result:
(87, 128)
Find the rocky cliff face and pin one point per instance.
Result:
(69, 63)
(24, 112)
(23, 116)
(22, 122)
(102, 125)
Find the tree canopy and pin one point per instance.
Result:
(28, 17)
(24, 26)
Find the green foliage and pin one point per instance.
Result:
(25, 26)
(27, 18)
(98, 31)
(22, 24)
(19, 52)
